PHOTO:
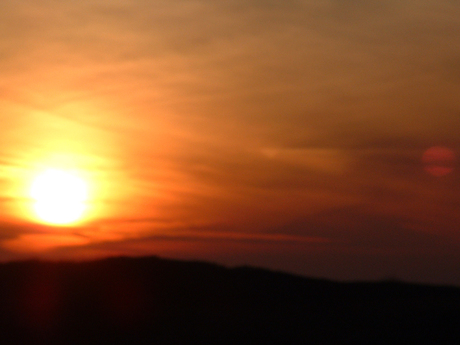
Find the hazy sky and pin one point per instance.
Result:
(284, 134)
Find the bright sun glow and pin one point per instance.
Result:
(59, 196)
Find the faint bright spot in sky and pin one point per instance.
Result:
(439, 160)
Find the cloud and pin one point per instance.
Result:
(238, 113)
(358, 229)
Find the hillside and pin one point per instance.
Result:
(157, 301)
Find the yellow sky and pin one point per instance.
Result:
(234, 118)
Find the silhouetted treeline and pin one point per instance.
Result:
(156, 301)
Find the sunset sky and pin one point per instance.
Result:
(282, 134)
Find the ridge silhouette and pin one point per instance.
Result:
(157, 301)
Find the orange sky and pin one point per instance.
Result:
(287, 135)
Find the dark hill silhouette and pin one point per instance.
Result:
(156, 301)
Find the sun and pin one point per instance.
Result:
(60, 196)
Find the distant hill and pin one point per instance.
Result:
(156, 301)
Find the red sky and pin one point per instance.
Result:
(288, 135)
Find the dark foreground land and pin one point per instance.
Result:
(156, 301)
